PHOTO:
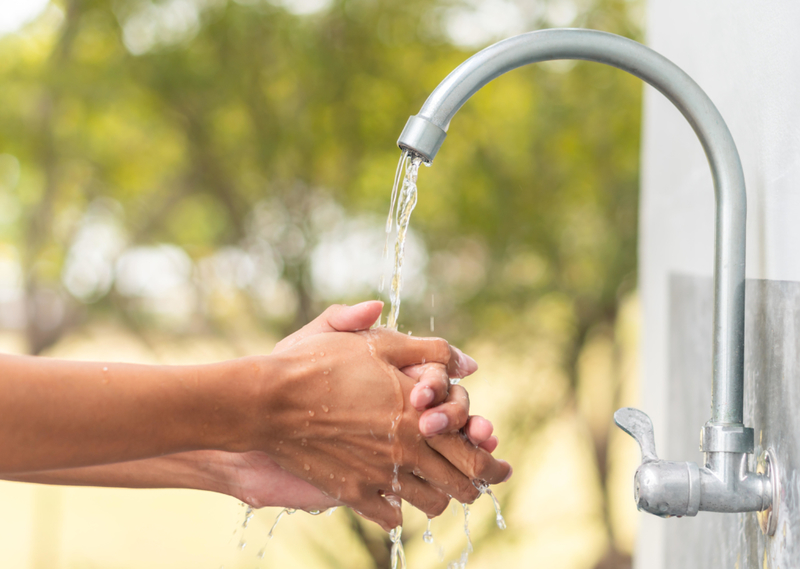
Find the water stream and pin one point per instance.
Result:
(285, 511)
(405, 202)
(404, 198)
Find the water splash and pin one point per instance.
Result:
(285, 511)
(407, 200)
(398, 553)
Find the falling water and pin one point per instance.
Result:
(483, 488)
(405, 201)
(427, 537)
(462, 561)
(285, 511)
(398, 554)
(248, 515)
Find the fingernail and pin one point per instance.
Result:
(510, 472)
(422, 397)
(434, 423)
(465, 363)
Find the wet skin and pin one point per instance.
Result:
(234, 454)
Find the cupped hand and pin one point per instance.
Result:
(339, 420)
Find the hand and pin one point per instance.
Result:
(433, 385)
(321, 430)
(248, 477)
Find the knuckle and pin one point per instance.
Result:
(441, 350)
(437, 504)
(467, 493)
(332, 309)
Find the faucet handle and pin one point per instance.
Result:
(638, 425)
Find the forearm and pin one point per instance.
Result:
(198, 470)
(58, 414)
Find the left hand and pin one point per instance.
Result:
(252, 476)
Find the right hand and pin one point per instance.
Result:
(340, 418)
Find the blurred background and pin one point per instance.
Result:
(185, 181)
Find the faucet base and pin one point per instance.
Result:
(768, 466)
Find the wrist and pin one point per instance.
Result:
(243, 392)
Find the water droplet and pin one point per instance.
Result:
(325, 373)
(344, 479)
(105, 369)
(306, 467)
(306, 423)
(311, 413)
(427, 537)
(303, 442)
(331, 475)
(325, 408)
(322, 354)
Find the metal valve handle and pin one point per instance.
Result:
(638, 425)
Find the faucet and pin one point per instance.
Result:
(665, 488)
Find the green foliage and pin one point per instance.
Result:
(536, 184)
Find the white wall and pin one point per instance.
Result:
(746, 56)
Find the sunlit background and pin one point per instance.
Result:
(186, 181)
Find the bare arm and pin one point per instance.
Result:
(251, 415)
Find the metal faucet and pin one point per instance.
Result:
(664, 488)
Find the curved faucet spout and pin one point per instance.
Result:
(425, 132)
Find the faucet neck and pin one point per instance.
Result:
(425, 133)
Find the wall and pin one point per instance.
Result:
(746, 55)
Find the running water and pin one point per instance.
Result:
(405, 202)
(286, 511)
(462, 561)
(427, 537)
(248, 515)
(398, 554)
(483, 488)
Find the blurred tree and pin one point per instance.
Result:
(222, 128)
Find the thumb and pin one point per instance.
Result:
(336, 318)
(354, 318)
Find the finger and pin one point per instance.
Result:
(461, 365)
(441, 474)
(401, 350)
(449, 416)
(432, 384)
(489, 445)
(475, 463)
(422, 495)
(336, 318)
(383, 510)
(357, 317)
(478, 429)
